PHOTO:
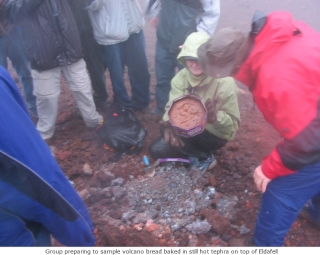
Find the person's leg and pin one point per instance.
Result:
(3, 51)
(17, 54)
(114, 60)
(47, 90)
(95, 66)
(161, 149)
(92, 53)
(79, 83)
(138, 70)
(314, 209)
(200, 148)
(202, 145)
(282, 202)
(165, 65)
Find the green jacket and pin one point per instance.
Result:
(223, 92)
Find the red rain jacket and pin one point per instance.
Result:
(283, 74)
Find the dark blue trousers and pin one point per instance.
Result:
(12, 46)
(130, 53)
(282, 202)
(166, 64)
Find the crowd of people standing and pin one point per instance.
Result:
(80, 39)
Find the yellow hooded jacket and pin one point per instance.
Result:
(223, 92)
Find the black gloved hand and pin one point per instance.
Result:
(170, 135)
(211, 112)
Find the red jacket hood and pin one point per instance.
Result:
(278, 29)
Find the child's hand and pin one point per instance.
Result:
(211, 112)
(170, 136)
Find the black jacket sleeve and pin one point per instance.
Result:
(17, 10)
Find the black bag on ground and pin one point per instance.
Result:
(122, 131)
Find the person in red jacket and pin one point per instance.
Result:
(279, 62)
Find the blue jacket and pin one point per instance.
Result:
(33, 187)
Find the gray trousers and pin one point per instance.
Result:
(47, 90)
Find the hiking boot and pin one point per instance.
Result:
(96, 127)
(207, 164)
(102, 105)
(203, 165)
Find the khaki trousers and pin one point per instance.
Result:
(47, 90)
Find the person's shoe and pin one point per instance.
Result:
(203, 165)
(102, 105)
(304, 213)
(96, 127)
(194, 162)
